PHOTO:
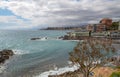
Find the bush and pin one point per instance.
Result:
(115, 74)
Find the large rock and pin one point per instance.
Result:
(35, 38)
(5, 54)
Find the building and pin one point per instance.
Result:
(119, 26)
(107, 22)
(100, 27)
(104, 25)
(100, 34)
(96, 27)
(77, 34)
(90, 27)
(114, 34)
(71, 34)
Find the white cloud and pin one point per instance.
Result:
(54, 12)
(12, 22)
(12, 19)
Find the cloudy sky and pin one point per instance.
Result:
(29, 14)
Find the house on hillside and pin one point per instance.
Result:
(104, 25)
(107, 22)
(96, 27)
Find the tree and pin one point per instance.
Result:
(90, 54)
(114, 26)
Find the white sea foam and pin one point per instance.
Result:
(48, 38)
(2, 68)
(43, 39)
(58, 71)
(19, 52)
(22, 52)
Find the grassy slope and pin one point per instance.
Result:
(105, 71)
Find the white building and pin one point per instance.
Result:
(115, 34)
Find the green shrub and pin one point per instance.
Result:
(118, 67)
(115, 74)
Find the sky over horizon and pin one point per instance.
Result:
(29, 14)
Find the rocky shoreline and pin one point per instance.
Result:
(115, 61)
(99, 71)
(5, 55)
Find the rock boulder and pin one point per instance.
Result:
(5, 54)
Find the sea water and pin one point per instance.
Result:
(33, 57)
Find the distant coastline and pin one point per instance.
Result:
(64, 28)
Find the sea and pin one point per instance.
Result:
(35, 58)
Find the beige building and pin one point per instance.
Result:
(77, 34)
(119, 26)
(96, 27)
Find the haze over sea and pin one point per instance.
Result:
(33, 57)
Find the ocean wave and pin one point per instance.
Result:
(4, 66)
(42, 39)
(58, 71)
(20, 52)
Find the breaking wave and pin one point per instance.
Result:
(59, 71)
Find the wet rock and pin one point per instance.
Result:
(35, 38)
(5, 54)
(61, 37)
